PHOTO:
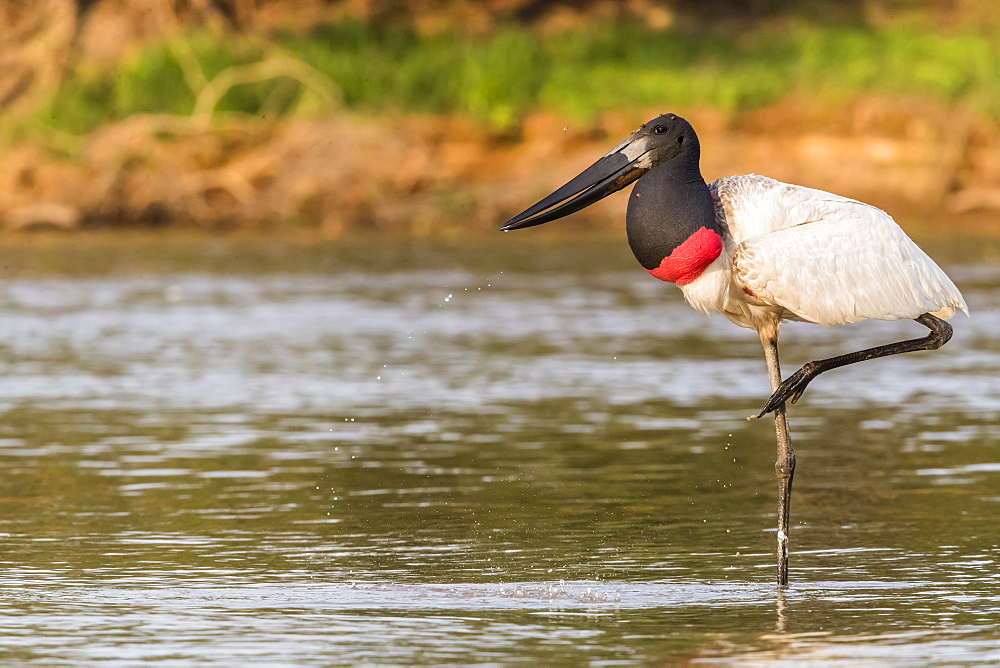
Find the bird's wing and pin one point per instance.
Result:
(829, 259)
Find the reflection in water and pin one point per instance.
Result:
(325, 462)
(781, 623)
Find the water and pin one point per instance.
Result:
(221, 451)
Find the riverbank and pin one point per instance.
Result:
(351, 121)
(443, 175)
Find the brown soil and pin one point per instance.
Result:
(430, 175)
(441, 176)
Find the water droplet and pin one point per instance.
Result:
(173, 294)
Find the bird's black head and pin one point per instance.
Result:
(662, 139)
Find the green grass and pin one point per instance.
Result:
(497, 79)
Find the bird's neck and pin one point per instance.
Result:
(671, 221)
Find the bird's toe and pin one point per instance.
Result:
(789, 391)
(770, 405)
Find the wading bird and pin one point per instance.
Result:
(760, 251)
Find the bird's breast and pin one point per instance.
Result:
(688, 260)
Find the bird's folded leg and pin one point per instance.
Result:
(792, 387)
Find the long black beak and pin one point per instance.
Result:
(609, 174)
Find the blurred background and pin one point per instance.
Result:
(274, 387)
(434, 117)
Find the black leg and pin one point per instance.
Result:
(792, 388)
(784, 466)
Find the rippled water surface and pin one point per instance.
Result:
(225, 451)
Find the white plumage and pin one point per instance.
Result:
(796, 253)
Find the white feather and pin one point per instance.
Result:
(805, 254)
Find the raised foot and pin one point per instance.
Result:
(790, 389)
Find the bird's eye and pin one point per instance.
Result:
(659, 130)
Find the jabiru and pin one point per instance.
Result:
(760, 252)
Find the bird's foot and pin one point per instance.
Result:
(790, 389)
